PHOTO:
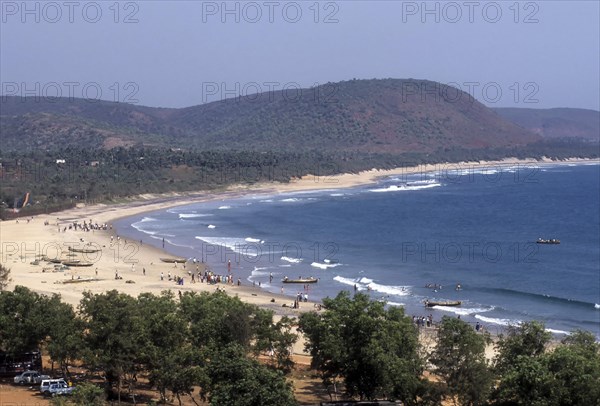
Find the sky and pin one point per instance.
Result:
(536, 54)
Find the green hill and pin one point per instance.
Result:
(375, 116)
(556, 123)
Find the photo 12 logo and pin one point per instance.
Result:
(453, 12)
(490, 92)
(269, 91)
(119, 92)
(469, 252)
(252, 12)
(53, 12)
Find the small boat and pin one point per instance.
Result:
(77, 263)
(53, 260)
(447, 303)
(79, 280)
(550, 241)
(174, 260)
(299, 280)
(84, 250)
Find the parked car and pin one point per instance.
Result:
(30, 378)
(59, 389)
(46, 383)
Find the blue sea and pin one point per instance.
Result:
(411, 238)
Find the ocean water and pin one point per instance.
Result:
(411, 238)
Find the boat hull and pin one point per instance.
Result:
(174, 260)
(299, 281)
(452, 303)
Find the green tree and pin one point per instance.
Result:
(114, 336)
(526, 339)
(23, 320)
(374, 351)
(275, 339)
(4, 277)
(522, 371)
(171, 360)
(236, 380)
(88, 394)
(527, 382)
(218, 319)
(65, 333)
(459, 358)
(575, 366)
(569, 375)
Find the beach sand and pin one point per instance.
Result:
(24, 241)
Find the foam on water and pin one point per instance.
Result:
(501, 322)
(291, 260)
(224, 207)
(192, 215)
(324, 266)
(553, 331)
(596, 306)
(261, 271)
(395, 304)
(463, 311)
(139, 225)
(346, 281)
(368, 284)
(390, 290)
(407, 187)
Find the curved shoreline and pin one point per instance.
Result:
(24, 241)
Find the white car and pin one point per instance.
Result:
(29, 378)
(59, 389)
(46, 383)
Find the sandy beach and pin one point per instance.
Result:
(24, 242)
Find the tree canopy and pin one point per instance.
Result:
(371, 349)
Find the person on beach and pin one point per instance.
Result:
(162, 276)
(144, 271)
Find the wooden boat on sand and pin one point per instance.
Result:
(447, 303)
(174, 260)
(53, 260)
(299, 280)
(84, 250)
(77, 263)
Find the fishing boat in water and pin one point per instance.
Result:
(447, 303)
(299, 280)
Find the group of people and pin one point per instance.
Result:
(85, 226)
(423, 321)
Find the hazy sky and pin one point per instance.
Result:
(173, 54)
